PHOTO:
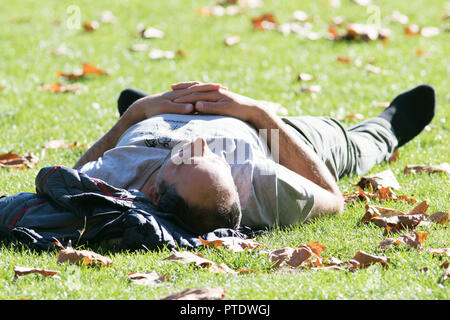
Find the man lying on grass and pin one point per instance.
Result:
(219, 159)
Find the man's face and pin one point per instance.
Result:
(194, 170)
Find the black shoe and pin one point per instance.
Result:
(410, 112)
(127, 97)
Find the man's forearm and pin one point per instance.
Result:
(109, 140)
(293, 153)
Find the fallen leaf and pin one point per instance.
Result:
(343, 59)
(396, 16)
(444, 251)
(379, 180)
(20, 271)
(411, 30)
(151, 33)
(443, 167)
(375, 69)
(420, 208)
(197, 294)
(80, 257)
(90, 26)
(264, 22)
(298, 256)
(301, 16)
(413, 239)
(140, 47)
(394, 156)
(60, 88)
(439, 217)
(218, 10)
(234, 244)
(429, 31)
(305, 77)
(311, 89)
(161, 54)
(147, 278)
(354, 116)
(198, 261)
(89, 68)
(420, 53)
(395, 220)
(14, 161)
(231, 40)
(363, 260)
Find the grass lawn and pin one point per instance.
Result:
(263, 65)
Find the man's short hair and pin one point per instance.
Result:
(201, 220)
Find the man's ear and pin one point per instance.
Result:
(154, 195)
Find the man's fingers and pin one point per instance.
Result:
(200, 96)
(178, 108)
(207, 107)
(183, 85)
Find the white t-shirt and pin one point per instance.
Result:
(269, 193)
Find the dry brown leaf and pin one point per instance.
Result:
(80, 257)
(199, 261)
(234, 244)
(86, 68)
(72, 76)
(380, 180)
(444, 251)
(413, 239)
(439, 217)
(147, 278)
(264, 22)
(443, 167)
(60, 88)
(14, 161)
(89, 68)
(297, 257)
(343, 59)
(420, 208)
(364, 259)
(197, 294)
(395, 220)
(90, 26)
(20, 271)
(411, 30)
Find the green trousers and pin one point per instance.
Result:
(346, 151)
